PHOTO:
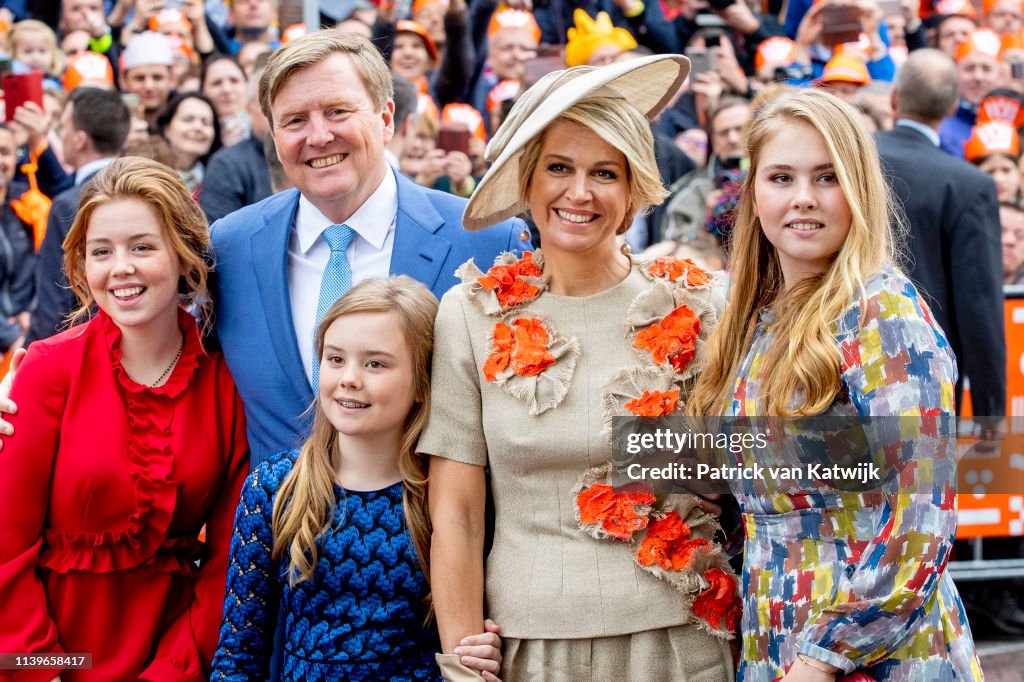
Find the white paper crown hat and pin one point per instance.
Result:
(648, 83)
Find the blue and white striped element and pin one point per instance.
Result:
(336, 282)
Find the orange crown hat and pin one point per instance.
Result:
(504, 90)
(513, 18)
(425, 106)
(846, 69)
(962, 7)
(417, 5)
(987, 5)
(776, 50)
(292, 32)
(1012, 41)
(88, 67)
(406, 26)
(1003, 106)
(590, 34)
(992, 137)
(466, 115)
(981, 40)
(168, 17)
(179, 46)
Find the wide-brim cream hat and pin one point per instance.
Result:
(648, 83)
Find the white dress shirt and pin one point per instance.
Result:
(369, 255)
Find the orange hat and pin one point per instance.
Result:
(513, 18)
(1012, 41)
(1001, 108)
(406, 26)
(962, 7)
(590, 34)
(504, 90)
(983, 40)
(179, 46)
(425, 106)
(987, 5)
(776, 50)
(88, 67)
(292, 32)
(992, 137)
(846, 69)
(417, 5)
(466, 115)
(168, 17)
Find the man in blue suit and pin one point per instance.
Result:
(328, 98)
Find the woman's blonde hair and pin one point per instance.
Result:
(305, 502)
(622, 126)
(28, 27)
(133, 177)
(802, 363)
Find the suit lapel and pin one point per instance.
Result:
(418, 250)
(269, 246)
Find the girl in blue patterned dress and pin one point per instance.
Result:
(335, 535)
(821, 321)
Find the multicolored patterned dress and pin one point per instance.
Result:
(858, 579)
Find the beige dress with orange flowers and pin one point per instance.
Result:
(526, 382)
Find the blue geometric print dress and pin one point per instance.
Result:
(361, 616)
(858, 579)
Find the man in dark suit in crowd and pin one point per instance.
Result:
(93, 127)
(954, 239)
(238, 175)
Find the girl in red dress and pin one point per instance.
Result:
(130, 439)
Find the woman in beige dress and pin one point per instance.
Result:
(534, 359)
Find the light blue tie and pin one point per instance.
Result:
(337, 280)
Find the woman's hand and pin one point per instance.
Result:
(8, 406)
(458, 168)
(803, 672)
(433, 168)
(32, 120)
(810, 27)
(482, 652)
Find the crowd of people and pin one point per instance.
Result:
(328, 331)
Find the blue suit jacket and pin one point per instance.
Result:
(253, 309)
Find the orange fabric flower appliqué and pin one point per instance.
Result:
(672, 269)
(654, 403)
(673, 339)
(507, 283)
(521, 348)
(669, 545)
(615, 512)
(718, 605)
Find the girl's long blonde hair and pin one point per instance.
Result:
(801, 374)
(305, 503)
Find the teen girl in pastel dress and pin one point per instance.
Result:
(336, 535)
(821, 321)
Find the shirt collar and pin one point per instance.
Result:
(92, 168)
(928, 132)
(371, 221)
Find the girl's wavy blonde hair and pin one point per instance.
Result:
(304, 506)
(802, 364)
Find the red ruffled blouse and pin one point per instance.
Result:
(104, 490)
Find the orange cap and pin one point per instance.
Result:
(1012, 41)
(987, 5)
(983, 40)
(514, 18)
(776, 50)
(406, 26)
(425, 106)
(504, 90)
(88, 67)
(1001, 108)
(992, 137)
(417, 5)
(846, 69)
(962, 7)
(168, 17)
(466, 115)
(292, 32)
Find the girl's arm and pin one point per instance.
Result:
(897, 366)
(27, 465)
(188, 645)
(457, 495)
(252, 593)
